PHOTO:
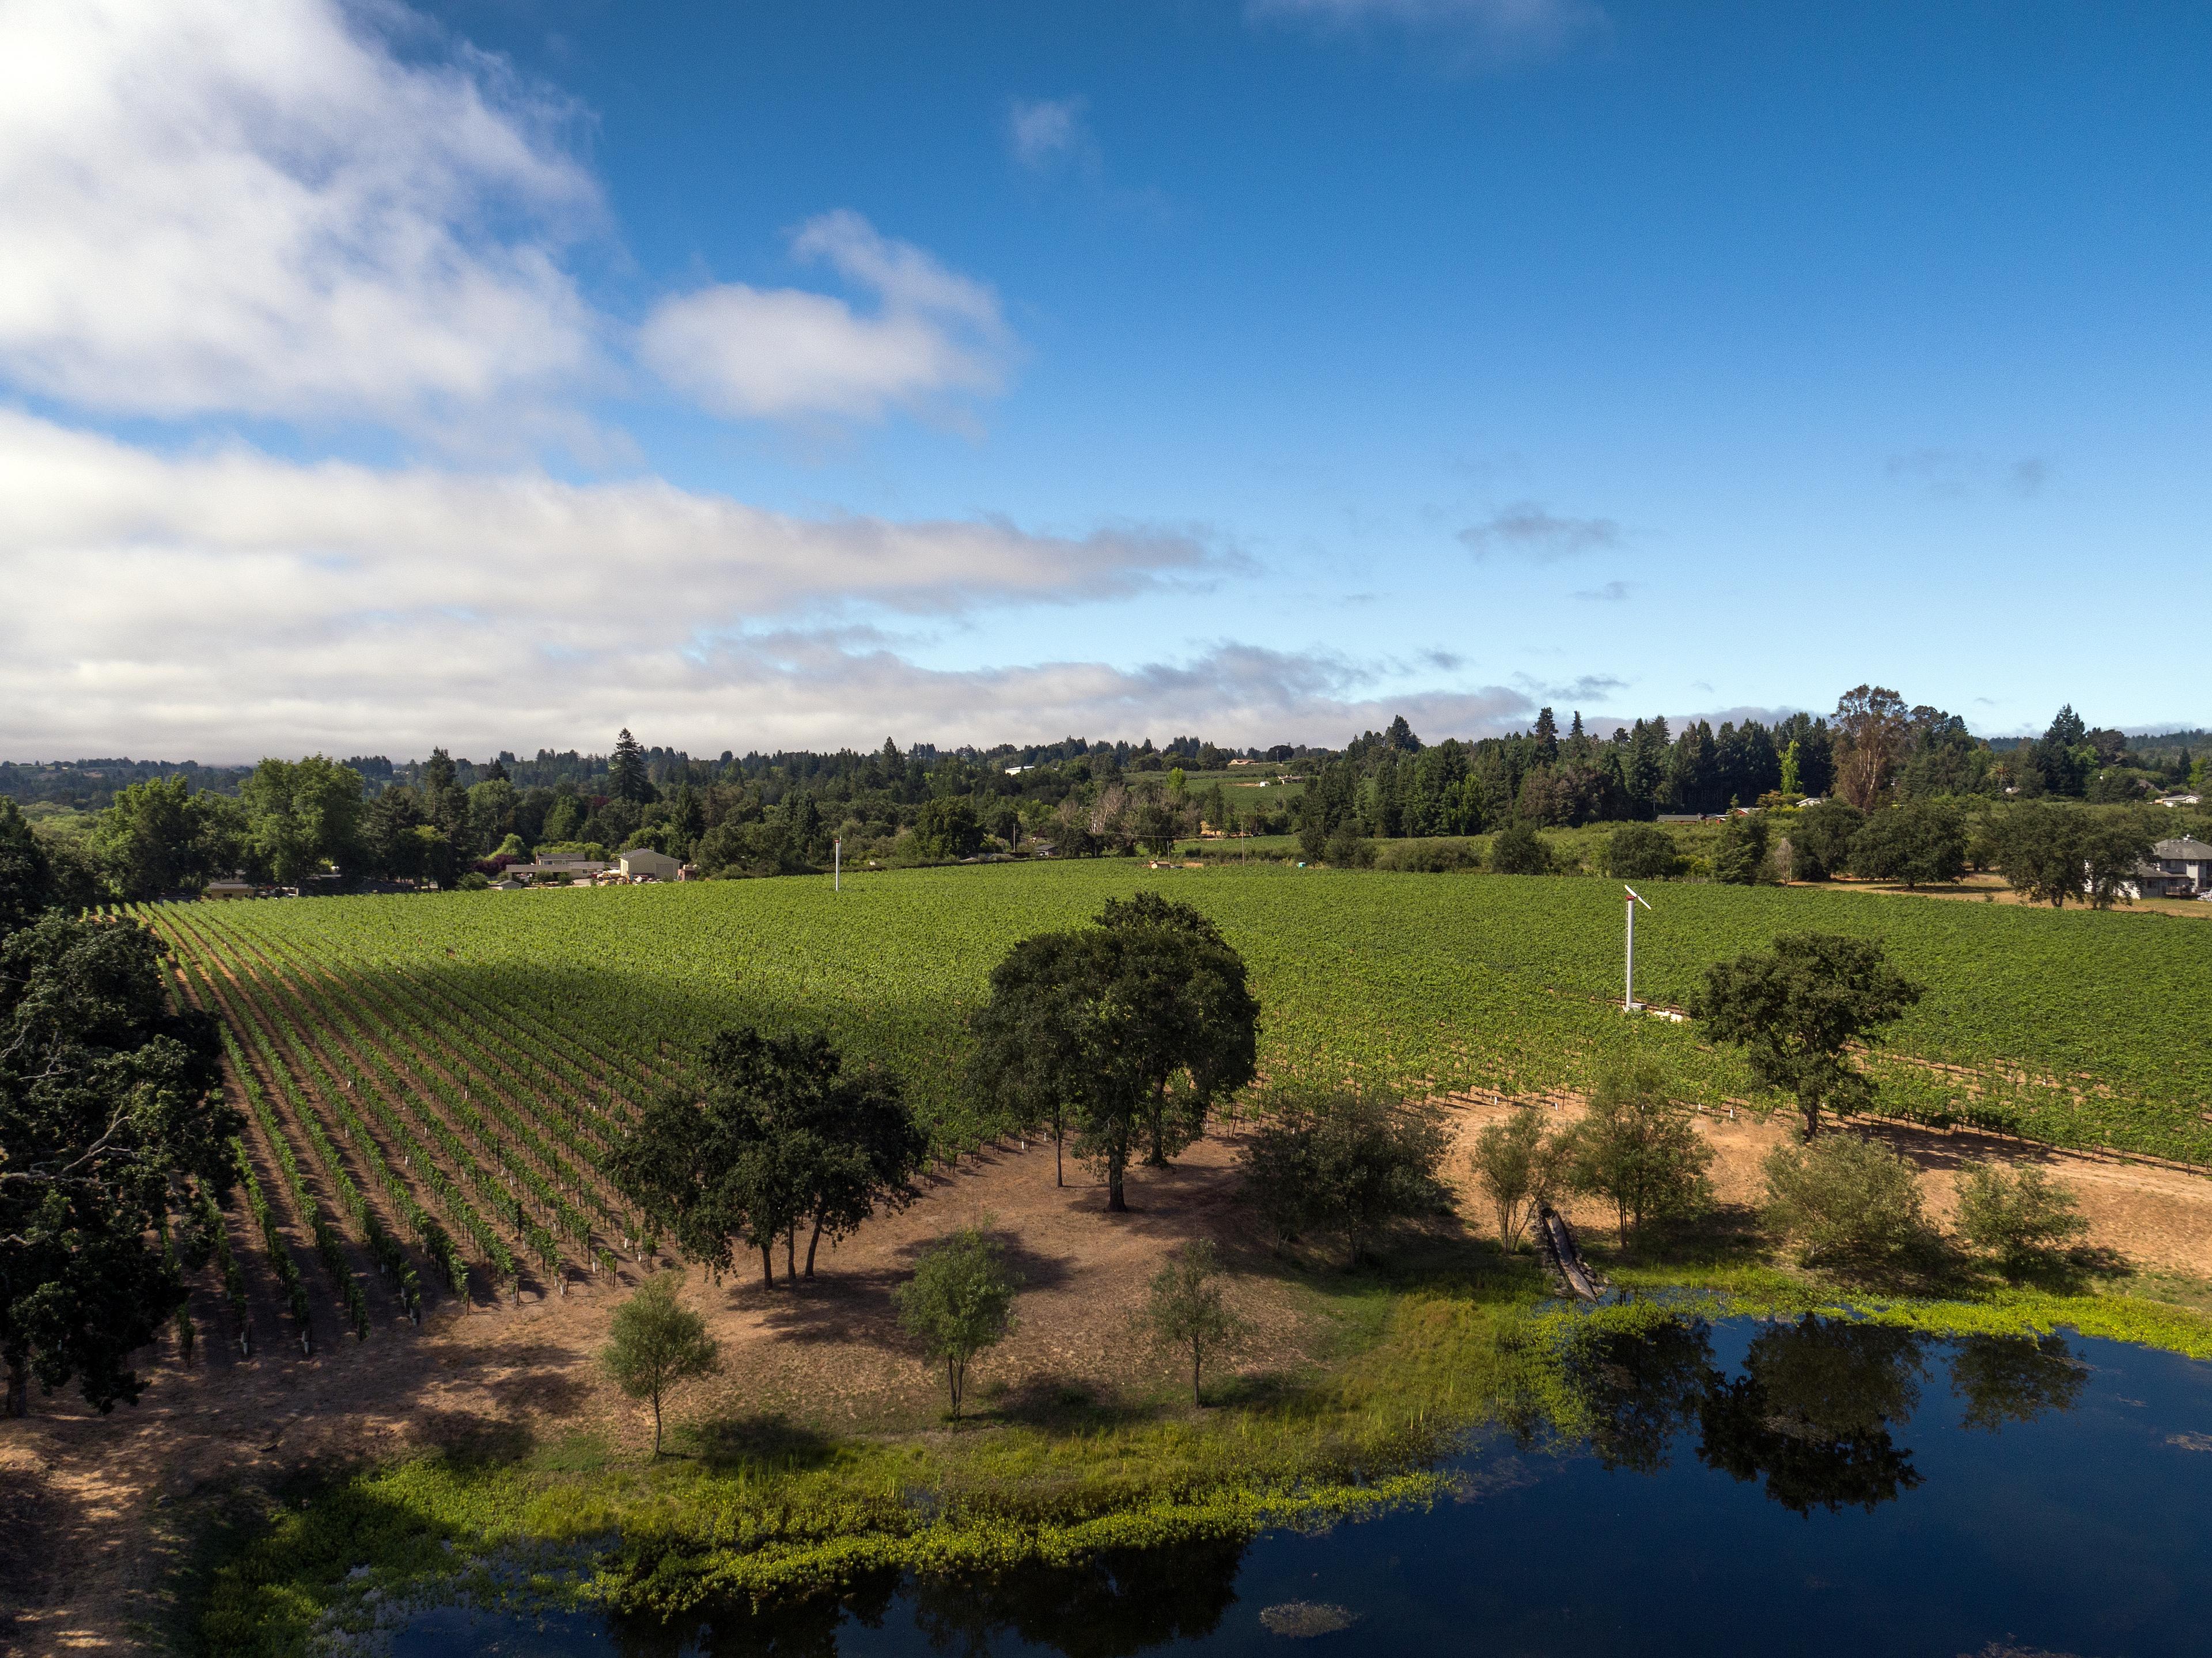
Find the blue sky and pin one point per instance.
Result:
(501, 374)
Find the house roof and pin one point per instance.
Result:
(2188, 850)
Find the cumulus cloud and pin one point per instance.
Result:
(230, 601)
(1500, 31)
(751, 353)
(1526, 530)
(1044, 133)
(253, 207)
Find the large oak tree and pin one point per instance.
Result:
(108, 1114)
(1129, 1033)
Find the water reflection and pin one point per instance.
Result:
(2004, 1380)
(1109, 1607)
(1813, 1414)
(1113, 1607)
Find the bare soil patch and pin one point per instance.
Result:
(85, 1553)
(87, 1549)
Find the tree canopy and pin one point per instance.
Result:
(1128, 1032)
(2051, 853)
(781, 1137)
(1636, 1147)
(109, 1116)
(1794, 1009)
(1346, 1161)
(959, 1302)
(655, 1344)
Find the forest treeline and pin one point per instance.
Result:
(447, 821)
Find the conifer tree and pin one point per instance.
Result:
(626, 777)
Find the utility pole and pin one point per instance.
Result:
(837, 866)
(1628, 996)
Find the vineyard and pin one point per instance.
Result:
(433, 1084)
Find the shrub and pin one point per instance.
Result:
(1186, 1312)
(1642, 851)
(959, 1302)
(1740, 856)
(1346, 1162)
(1518, 1165)
(2018, 1219)
(1519, 850)
(1820, 840)
(657, 1343)
(1845, 1202)
(1347, 849)
(1637, 1148)
(1431, 858)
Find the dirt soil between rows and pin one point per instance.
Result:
(102, 1513)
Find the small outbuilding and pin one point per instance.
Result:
(644, 864)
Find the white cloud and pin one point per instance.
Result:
(251, 206)
(1500, 31)
(753, 352)
(1043, 133)
(227, 604)
(231, 603)
(1528, 531)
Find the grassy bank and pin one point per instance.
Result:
(761, 1511)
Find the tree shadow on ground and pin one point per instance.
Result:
(858, 1305)
(1061, 1404)
(33, 1518)
(729, 1444)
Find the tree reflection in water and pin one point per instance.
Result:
(1813, 1416)
(805, 1629)
(1814, 1411)
(1111, 1606)
(2003, 1379)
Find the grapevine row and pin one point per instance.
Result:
(447, 1193)
(528, 1153)
(330, 1245)
(287, 1270)
(391, 1259)
(234, 1276)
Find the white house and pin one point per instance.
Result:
(644, 864)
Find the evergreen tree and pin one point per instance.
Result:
(626, 775)
(1545, 737)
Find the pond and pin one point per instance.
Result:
(1819, 1486)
